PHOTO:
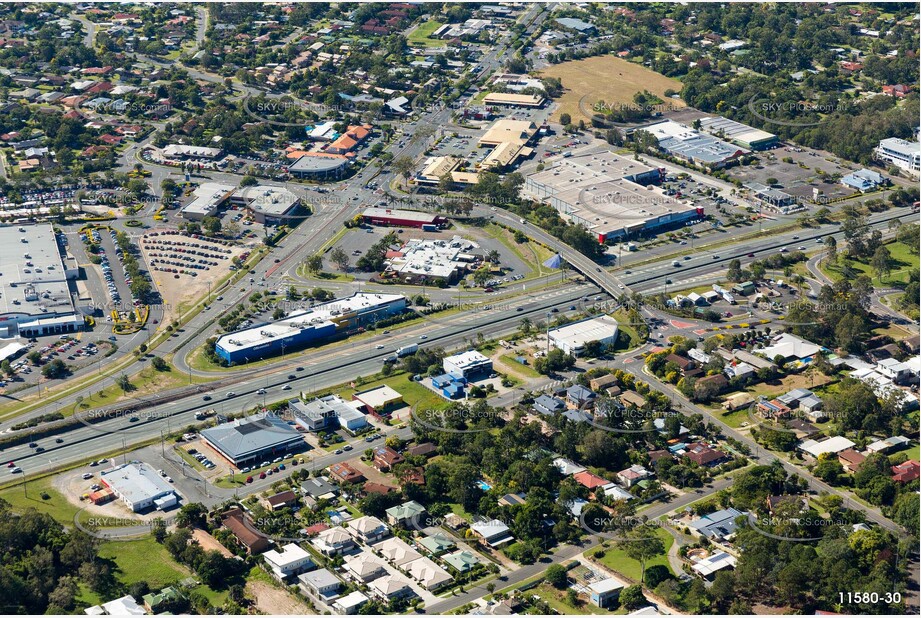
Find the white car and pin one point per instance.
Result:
(379, 346)
(286, 387)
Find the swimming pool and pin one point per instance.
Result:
(483, 485)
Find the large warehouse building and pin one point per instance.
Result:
(267, 203)
(34, 296)
(738, 133)
(685, 143)
(429, 261)
(400, 218)
(573, 337)
(611, 196)
(139, 487)
(208, 197)
(338, 317)
(248, 441)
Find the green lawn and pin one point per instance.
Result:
(903, 262)
(142, 560)
(526, 370)
(57, 505)
(913, 453)
(556, 599)
(414, 394)
(617, 560)
(420, 36)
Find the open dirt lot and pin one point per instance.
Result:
(606, 78)
(273, 601)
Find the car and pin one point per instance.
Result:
(133, 419)
(522, 308)
(11, 465)
(231, 394)
(369, 439)
(347, 447)
(95, 463)
(16, 470)
(286, 387)
(338, 451)
(291, 376)
(423, 336)
(796, 238)
(113, 338)
(687, 257)
(621, 285)
(379, 346)
(598, 270)
(87, 476)
(206, 398)
(32, 444)
(299, 369)
(277, 260)
(261, 391)
(751, 255)
(276, 460)
(716, 257)
(801, 248)
(59, 441)
(262, 475)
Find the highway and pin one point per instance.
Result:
(336, 368)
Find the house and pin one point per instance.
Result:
(659, 424)
(718, 525)
(384, 458)
(365, 567)
(772, 409)
(579, 397)
(738, 401)
(717, 381)
(344, 473)
(889, 444)
(493, 532)
(605, 591)
(429, 575)
(633, 475)
(122, 606)
(409, 514)
(461, 561)
(790, 348)
(244, 532)
(896, 371)
(290, 561)
(545, 404)
(602, 382)
(513, 499)
(739, 370)
(567, 467)
(614, 492)
(684, 364)
(281, 500)
(319, 488)
(906, 472)
(850, 459)
(587, 479)
(333, 541)
(833, 445)
(391, 587)
(377, 488)
(709, 566)
(632, 398)
(703, 455)
(350, 604)
(321, 585)
(163, 601)
(437, 544)
(426, 449)
(369, 529)
(397, 552)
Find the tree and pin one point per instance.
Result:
(641, 545)
(123, 382)
(314, 264)
(55, 369)
(881, 262)
(632, 597)
(340, 258)
(403, 165)
(831, 248)
(734, 272)
(211, 225)
(525, 326)
(557, 576)
(159, 364)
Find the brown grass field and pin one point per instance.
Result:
(609, 79)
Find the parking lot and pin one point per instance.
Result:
(798, 175)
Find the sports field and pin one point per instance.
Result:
(609, 79)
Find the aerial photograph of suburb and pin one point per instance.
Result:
(460, 308)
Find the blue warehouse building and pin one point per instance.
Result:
(338, 317)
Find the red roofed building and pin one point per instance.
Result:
(897, 90)
(96, 70)
(386, 458)
(587, 479)
(906, 472)
(703, 455)
(344, 473)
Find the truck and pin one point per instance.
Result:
(406, 350)
(203, 414)
(429, 227)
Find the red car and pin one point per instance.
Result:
(11, 465)
(262, 475)
(249, 479)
